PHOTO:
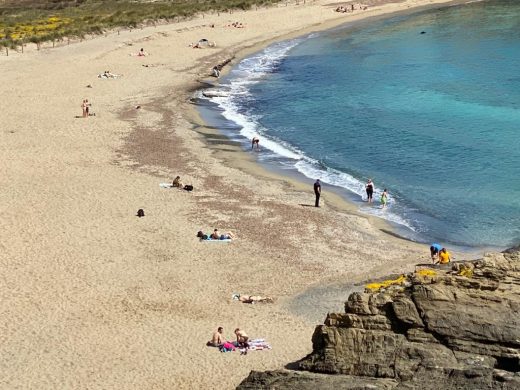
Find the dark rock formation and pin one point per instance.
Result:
(437, 329)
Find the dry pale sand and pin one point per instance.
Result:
(94, 297)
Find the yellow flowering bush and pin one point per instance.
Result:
(426, 272)
(372, 287)
(38, 28)
(466, 271)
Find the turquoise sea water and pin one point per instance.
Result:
(434, 116)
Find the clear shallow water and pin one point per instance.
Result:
(433, 117)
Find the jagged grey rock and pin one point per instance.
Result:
(453, 329)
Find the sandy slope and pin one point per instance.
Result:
(93, 297)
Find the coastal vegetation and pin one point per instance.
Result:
(37, 21)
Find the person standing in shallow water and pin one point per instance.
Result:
(317, 192)
(369, 188)
(384, 198)
(255, 142)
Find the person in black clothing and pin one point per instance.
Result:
(370, 190)
(317, 192)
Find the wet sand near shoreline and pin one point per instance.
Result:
(94, 297)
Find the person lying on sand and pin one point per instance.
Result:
(108, 75)
(252, 298)
(226, 236)
(215, 235)
(217, 339)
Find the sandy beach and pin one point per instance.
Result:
(94, 297)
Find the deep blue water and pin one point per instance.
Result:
(433, 117)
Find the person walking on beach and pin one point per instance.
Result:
(317, 192)
(384, 198)
(369, 188)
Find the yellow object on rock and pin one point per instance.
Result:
(426, 272)
(386, 283)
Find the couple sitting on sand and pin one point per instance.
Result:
(440, 253)
(215, 235)
(217, 340)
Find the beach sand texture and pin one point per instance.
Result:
(94, 297)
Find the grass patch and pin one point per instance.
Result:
(39, 21)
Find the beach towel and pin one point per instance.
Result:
(165, 185)
(227, 347)
(258, 345)
(212, 240)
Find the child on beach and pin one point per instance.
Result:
(384, 198)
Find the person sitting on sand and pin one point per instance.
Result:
(217, 339)
(177, 182)
(242, 338)
(141, 53)
(444, 256)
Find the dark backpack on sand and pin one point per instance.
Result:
(188, 187)
(140, 213)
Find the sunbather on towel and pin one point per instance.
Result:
(217, 339)
(254, 298)
(251, 298)
(227, 236)
(215, 235)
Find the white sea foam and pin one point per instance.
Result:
(313, 169)
(251, 71)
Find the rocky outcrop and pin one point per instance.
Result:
(457, 328)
